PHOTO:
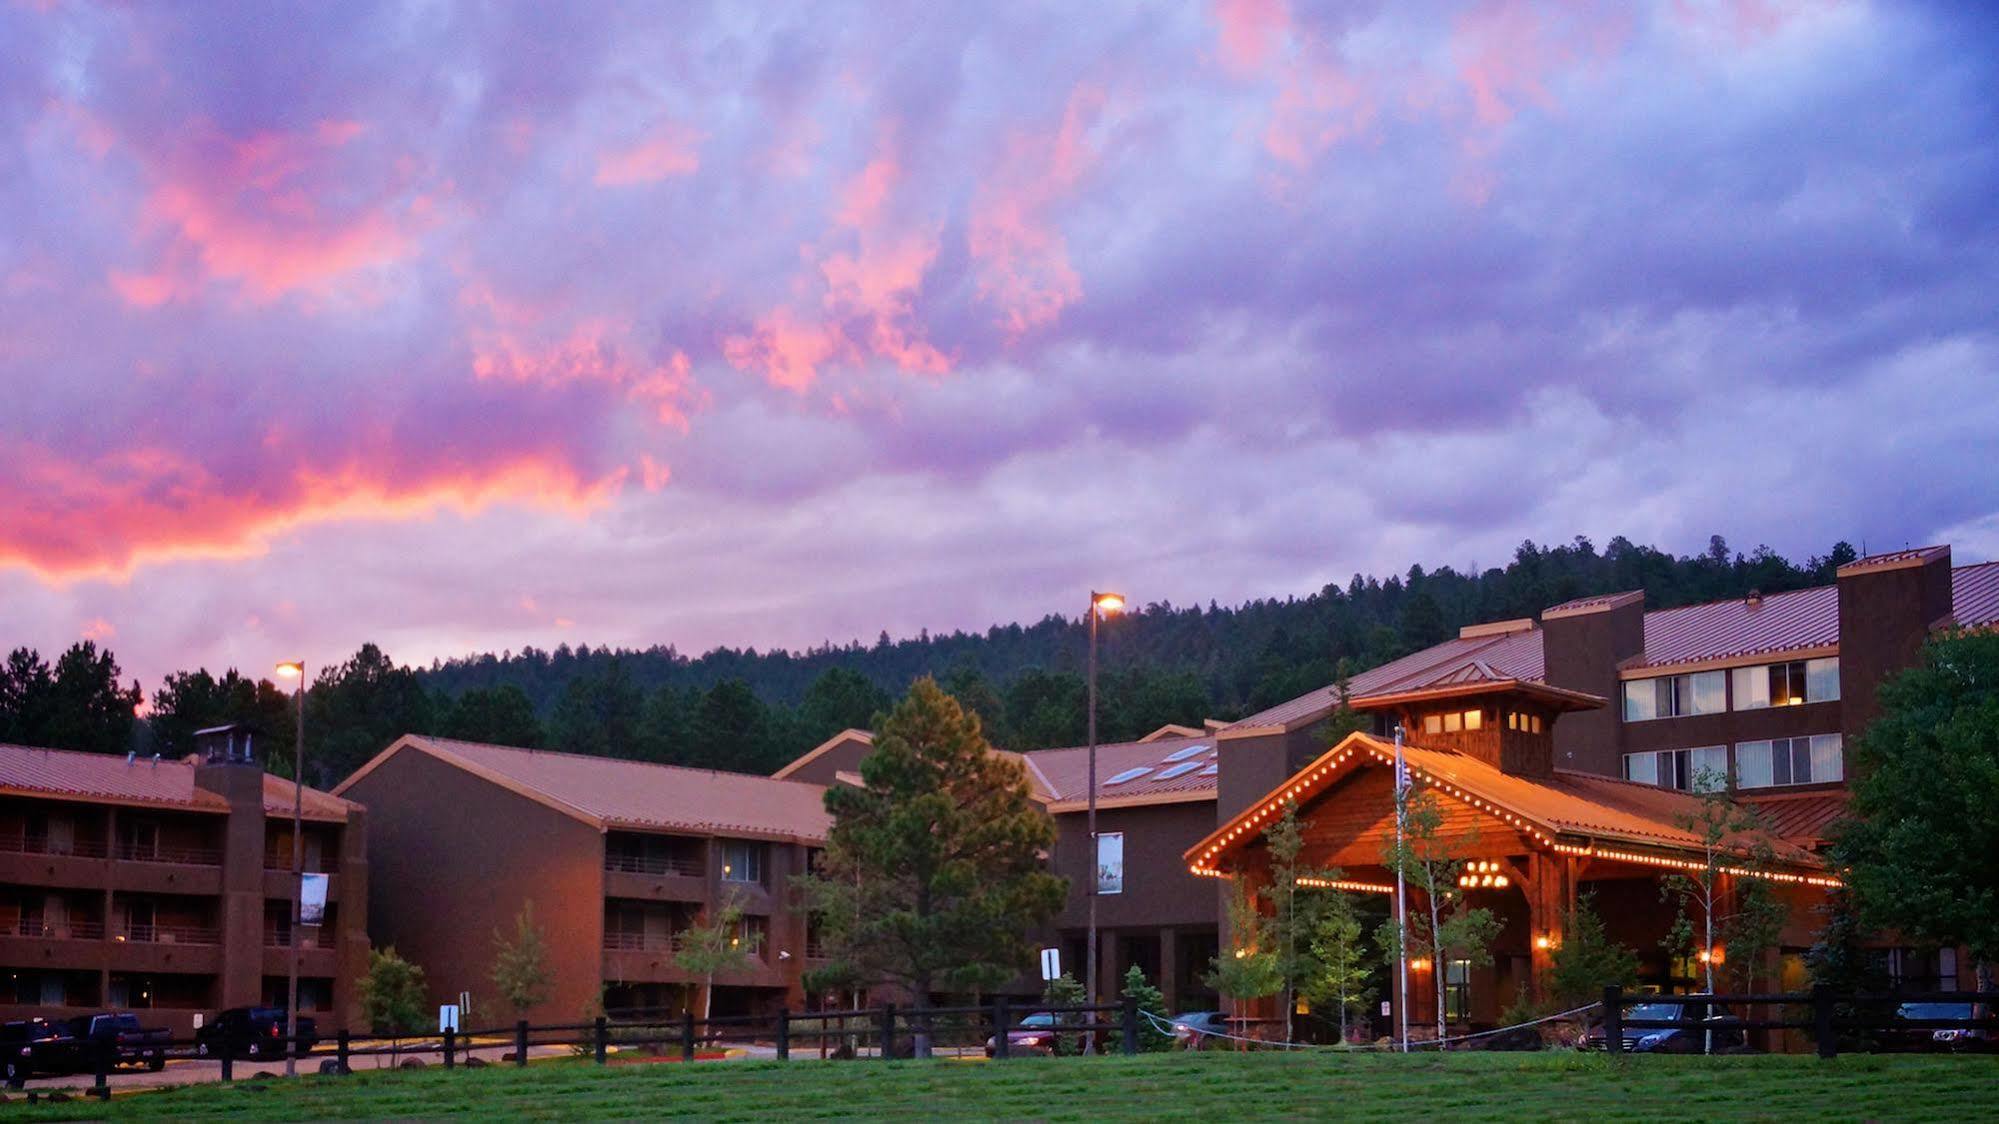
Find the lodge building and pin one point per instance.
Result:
(615, 858)
(165, 886)
(1567, 752)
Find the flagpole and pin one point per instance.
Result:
(1401, 896)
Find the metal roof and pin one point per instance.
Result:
(154, 782)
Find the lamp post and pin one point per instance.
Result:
(1101, 604)
(289, 670)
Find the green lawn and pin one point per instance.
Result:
(1213, 1086)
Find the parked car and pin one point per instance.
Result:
(31, 1046)
(1693, 1022)
(130, 1043)
(1956, 1039)
(1197, 1030)
(42, 1047)
(1037, 1034)
(257, 1032)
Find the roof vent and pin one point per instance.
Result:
(131, 756)
(1755, 598)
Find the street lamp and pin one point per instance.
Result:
(295, 669)
(1101, 605)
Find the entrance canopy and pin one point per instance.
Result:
(1347, 794)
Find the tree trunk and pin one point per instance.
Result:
(919, 1041)
(1439, 967)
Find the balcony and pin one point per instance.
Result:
(641, 942)
(38, 861)
(139, 933)
(58, 930)
(657, 877)
(154, 853)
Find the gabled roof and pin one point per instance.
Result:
(60, 774)
(609, 793)
(1579, 811)
(829, 745)
(1514, 655)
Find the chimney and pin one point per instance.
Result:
(1888, 605)
(1583, 643)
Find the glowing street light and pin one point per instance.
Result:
(295, 669)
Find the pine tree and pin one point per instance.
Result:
(1152, 1033)
(933, 876)
(1587, 960)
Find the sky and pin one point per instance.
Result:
(465, 327)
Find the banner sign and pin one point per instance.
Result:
(312, 899)
(1110, 863)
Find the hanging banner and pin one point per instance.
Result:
(1110, 862)
(312, 899)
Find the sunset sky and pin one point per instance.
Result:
(462, 327)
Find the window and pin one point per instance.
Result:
(1453, 722)
(1814, 760)
(1674, 696)
(1457, 990)
(1523, 722)
(742, 861)
(1130, 775)
(1110, 862)
(1787, 684)
(1688, 770)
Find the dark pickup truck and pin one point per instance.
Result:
(253, 1032)
(40, 1047)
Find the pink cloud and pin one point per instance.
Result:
(669, 150)
(99, 629)
(147, 290)
(103, 516)
(1023, 259)
(1319, 104)
(512, 342)
(870, 267)
(260, 210)
(1250, 32)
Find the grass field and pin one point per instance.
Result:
(1212, 1086)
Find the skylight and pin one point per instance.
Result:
(1130, 775)
(1184, 754)
(1212, 769)
(1179, 770)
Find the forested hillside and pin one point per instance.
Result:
(747, 710)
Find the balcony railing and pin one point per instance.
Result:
(640, 942)
(654, 864)
(59, 930)
(281, 861)
(41, 845)
(148, 853)
(275, 937)
(170, 934)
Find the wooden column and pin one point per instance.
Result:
(1169, 967)
(1547, 892)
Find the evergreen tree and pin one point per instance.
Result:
(1587, 960)
(27, 699)
(600, 715)
(1340, 966)
(1153, 1032)
(933, 876)
(356, 710)
(840, 699)
(1926, 802)
(501, 715)
(731, 729)
(187, 701)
